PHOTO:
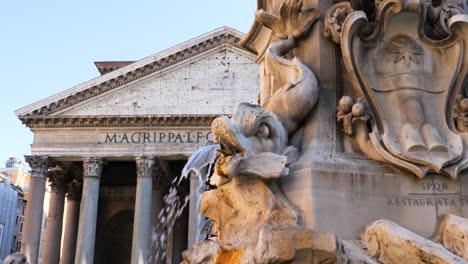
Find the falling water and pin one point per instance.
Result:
(199, 165)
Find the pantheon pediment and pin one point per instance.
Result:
(161, 105)
(181, 81)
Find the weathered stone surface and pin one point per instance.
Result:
(248, 210)
(277, 245)
(15, 258)
(406, 81)
(351, 252)
(210, 252)
(452, 233)
(240, 209)
(336, 177)
(213, 83)
(391, 243)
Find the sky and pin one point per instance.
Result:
(49, 46)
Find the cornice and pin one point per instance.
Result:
(118, 121)
(132, 72)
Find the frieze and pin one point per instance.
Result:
(118, 121)
(156, 137)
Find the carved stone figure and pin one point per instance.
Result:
(461, 114)
(409, 79)
(253, 221)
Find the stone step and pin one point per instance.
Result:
(452, 233)
(391, 244)
(351, 252)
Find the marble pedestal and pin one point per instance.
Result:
(344, 199)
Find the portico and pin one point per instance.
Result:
(110, 148)
(136, 166)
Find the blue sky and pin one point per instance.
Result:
(49, 46)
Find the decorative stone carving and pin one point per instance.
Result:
(349, 112)
(39, 165)
(75, 188)
(253, 221)
(409, 79)
(58, 178)
(145, 166)
(117, 121)
(334, 19)
(92, 167)
(461, 114)
(136, 73)
(74, 182)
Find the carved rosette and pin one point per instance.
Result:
(145, 167)
(39, 165)
(92, 167)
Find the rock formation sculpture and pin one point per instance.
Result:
(408, 60)
(253, 221)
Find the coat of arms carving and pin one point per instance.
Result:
(410, 82)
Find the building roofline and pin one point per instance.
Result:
(133, 71)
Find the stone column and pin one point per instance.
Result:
(194, 210)
(92, 168)
(53, 232)
(34, 207)
(71, 221)
(142, 219)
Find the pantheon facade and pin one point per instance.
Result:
(110, 148)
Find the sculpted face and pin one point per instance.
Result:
(243, 138)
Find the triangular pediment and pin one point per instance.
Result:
(207, 75)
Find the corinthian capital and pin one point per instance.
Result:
(145, 166)
(57, 179)
(75, 188)
(92, 167)
(39, 165)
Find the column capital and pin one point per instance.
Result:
(145, 166)
(92, 167)
(39, 165)
(75, 189)
(57, 178)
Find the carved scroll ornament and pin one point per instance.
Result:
(410, 80)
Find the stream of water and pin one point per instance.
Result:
(197, 169)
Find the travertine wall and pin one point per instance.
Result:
(214, 83)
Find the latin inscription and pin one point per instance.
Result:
(157, 137)
(434, 194)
